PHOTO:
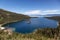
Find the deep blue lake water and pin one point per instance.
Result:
(24, 27)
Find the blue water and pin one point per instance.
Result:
(24, 27)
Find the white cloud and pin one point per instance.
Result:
(51, 11)
(41, 12)
(31, 12)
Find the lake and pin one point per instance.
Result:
(35, 23)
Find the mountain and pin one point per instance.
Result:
(7, 16)
(49, 15)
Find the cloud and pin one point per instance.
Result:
(31, 12)
(51, 11)
(41, 12)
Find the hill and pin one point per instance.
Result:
(7, 16)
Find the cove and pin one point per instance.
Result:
(40, 22)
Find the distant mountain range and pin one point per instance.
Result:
(48, 15)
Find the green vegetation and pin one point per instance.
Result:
(40, 34)
(1, 18)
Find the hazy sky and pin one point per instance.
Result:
(31, 7)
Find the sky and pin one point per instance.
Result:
(31, 7)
